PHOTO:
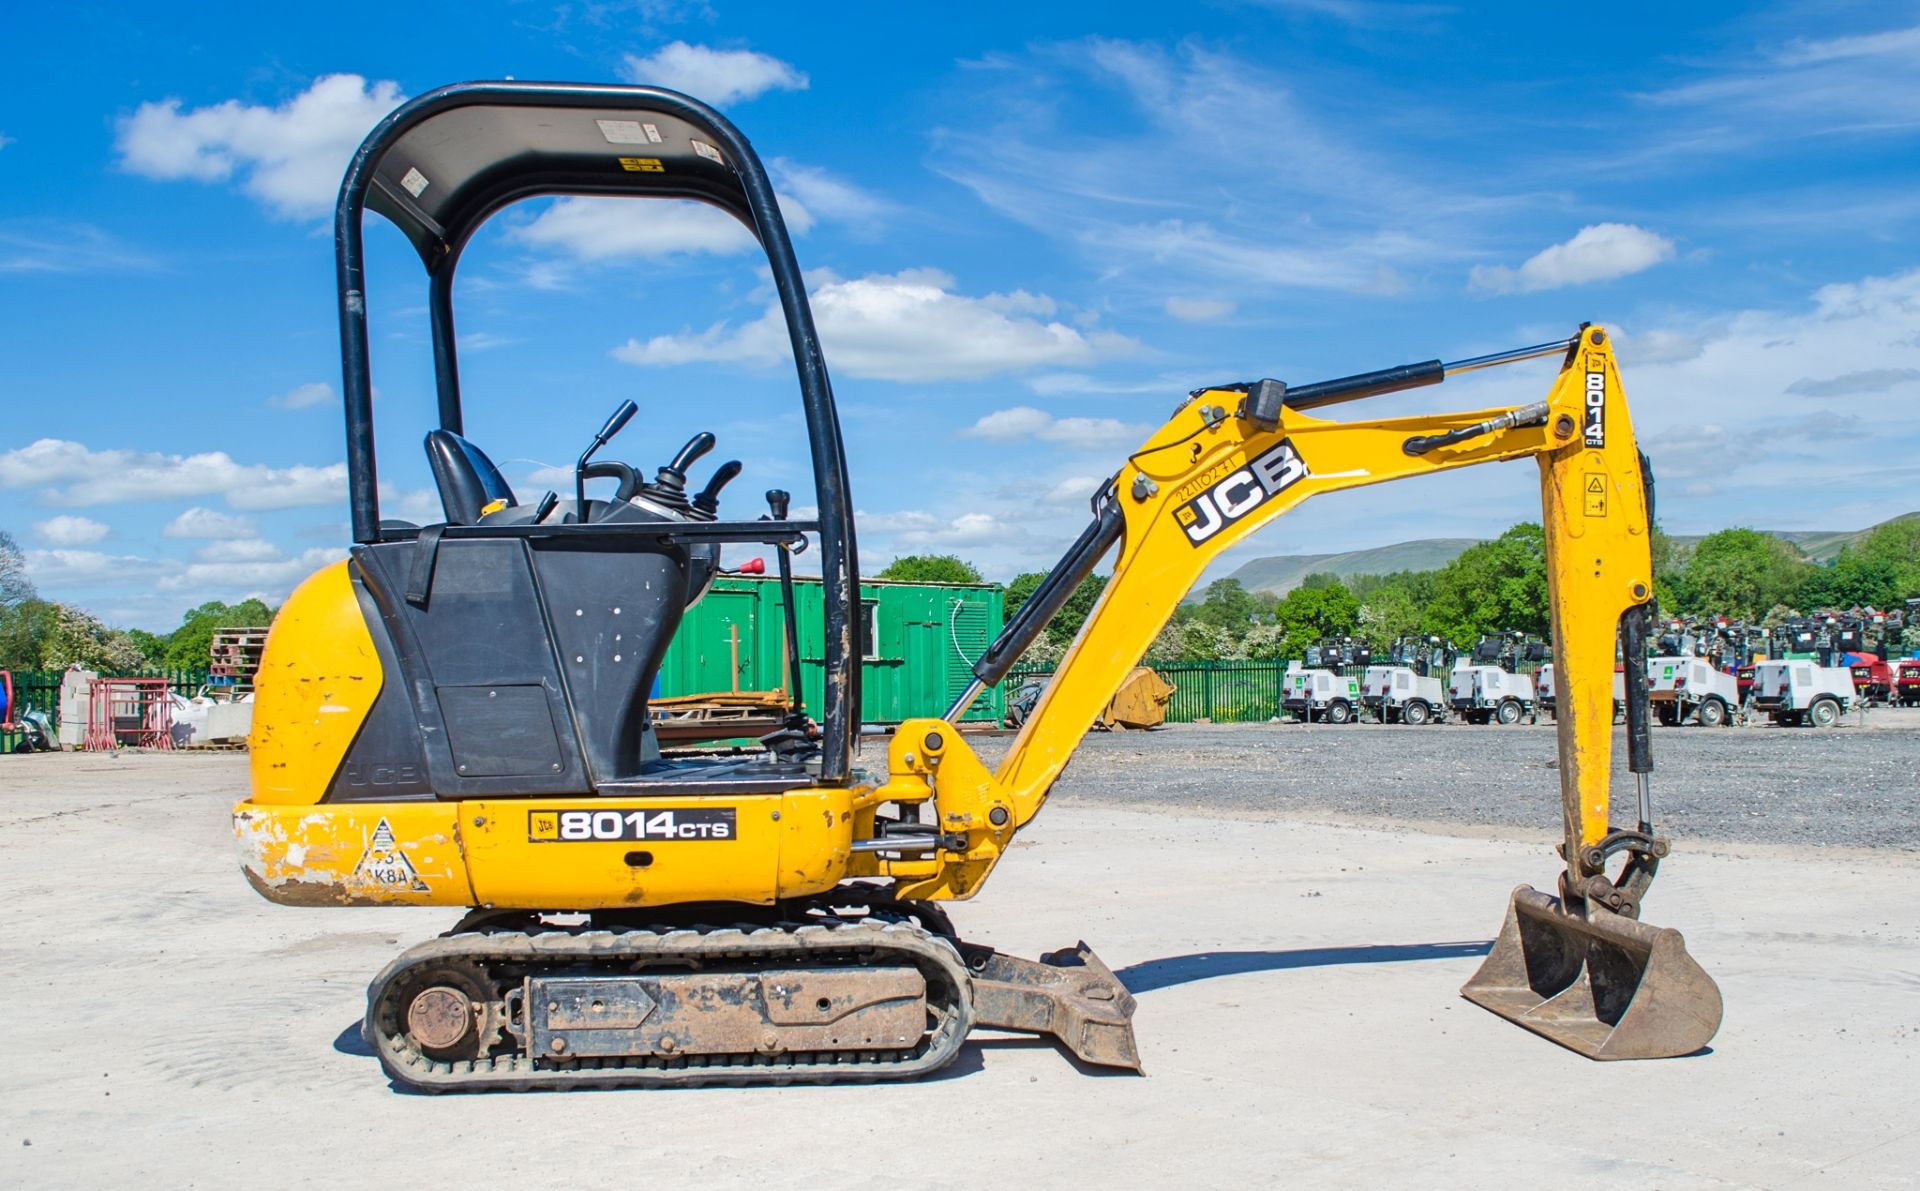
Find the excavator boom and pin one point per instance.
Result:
(1575, 967)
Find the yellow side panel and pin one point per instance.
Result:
(354, 854)
(585, 853)
(318, 680)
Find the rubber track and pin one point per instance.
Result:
(949, 989)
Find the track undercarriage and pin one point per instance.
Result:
(811, 995)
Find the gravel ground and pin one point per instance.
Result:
(1845, 786)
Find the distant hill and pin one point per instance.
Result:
(1821, 545)
(1281, 573)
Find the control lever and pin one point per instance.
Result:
(545, 507)
(779, 503)
(669, 485)
(707, 500)
(613, 426)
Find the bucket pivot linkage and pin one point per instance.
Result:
(1581, 968)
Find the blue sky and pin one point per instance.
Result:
(1028, 231)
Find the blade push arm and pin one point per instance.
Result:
(1225, 465)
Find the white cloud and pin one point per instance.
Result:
(54, 568)
(713, 76)
(1053, 140)
(1599, 252)
(1863, 383)
(1857, 84)
(1023, 423)
(605, 229)
(480, 341)
(906, 326)
(1199, 310)
(915, 529)
(68, 530)
(248, 569)
(291, 157)
(238, 550)
(827, 196)
(206, 523)
(65, 246)
(6, 140)
(305, 396)
(106, 477)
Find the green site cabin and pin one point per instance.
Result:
(917, 644)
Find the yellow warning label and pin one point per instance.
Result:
(642, 165)
(1596, 494)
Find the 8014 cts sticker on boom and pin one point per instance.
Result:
(673, 823)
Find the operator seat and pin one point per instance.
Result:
(467, 479)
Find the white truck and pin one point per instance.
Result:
(1484, 694)
(1683, 687)
(1309, 695)
(1800, 692)
(1395, 694)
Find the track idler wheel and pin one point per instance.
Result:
(450, 1012)
(1607, 986)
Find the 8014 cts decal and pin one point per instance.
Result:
(677, 823)
(1596, 420)
(1241, 492)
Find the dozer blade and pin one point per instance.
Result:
(1069, 994)
(1606, 986)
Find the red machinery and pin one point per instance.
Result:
(1906, 682)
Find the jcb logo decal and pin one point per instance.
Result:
(1596, 409)
(1241, 492)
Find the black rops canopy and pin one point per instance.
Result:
(439, 165)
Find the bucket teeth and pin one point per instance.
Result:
(1605, 986)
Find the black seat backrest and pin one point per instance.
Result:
(467, 479)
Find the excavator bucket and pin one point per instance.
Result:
(1069, 994)
(1601, 984)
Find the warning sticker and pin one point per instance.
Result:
(384, 866)
(628, 132)
(414, 181)
(1596, 494)
(708, 151)
(642, 165)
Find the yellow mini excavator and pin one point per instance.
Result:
(457, 714)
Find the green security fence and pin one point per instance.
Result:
(1235, 692)
(40, 690)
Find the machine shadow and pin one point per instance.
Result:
(351, 1043)
(1157, 974)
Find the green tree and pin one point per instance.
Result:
(1227, 606)
(25, 629)
(1191, 640)
(1394, 607)
(15, 587)
(931, 568)
(1881, 570)
(1066, 623)
(1021, 590)
(1491, 587)
(1741, 573)
(1308, 614)
(191, 644)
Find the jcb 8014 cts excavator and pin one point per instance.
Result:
(457, 714)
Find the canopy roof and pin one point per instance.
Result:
(442, 164)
